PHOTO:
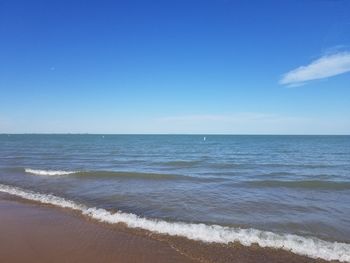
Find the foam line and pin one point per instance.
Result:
(48, 172)
(307, 246)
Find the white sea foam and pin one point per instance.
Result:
(48, 172)
(42, 198)
(308, 246)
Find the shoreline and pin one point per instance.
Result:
(44, 233)
(37, 233)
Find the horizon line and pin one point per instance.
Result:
(202, 134)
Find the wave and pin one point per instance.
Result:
(181, 164)
(307, 184)
(131, 175)
(48, 172)
(111, 174)
(277, 174)
(308, 246)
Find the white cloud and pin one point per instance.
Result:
(324, 67)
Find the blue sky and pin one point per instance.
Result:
(251, 67)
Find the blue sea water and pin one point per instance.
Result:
(284, 184)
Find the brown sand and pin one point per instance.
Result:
(31, 232)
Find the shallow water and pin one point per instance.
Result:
(284, 184)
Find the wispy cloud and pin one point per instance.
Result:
(327, 66)
(239, 122)
(236, 117)
(250, 123)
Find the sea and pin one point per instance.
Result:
(278, 191)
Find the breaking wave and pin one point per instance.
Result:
(308, 246)
(111, 174)
(48, 172)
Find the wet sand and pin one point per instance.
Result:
(31, 232)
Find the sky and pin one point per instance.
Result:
(182, 66)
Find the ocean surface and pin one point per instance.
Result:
(291, 192)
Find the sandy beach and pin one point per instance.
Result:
(31, 232)
(175, 131)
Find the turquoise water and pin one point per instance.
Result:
(284, 184)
